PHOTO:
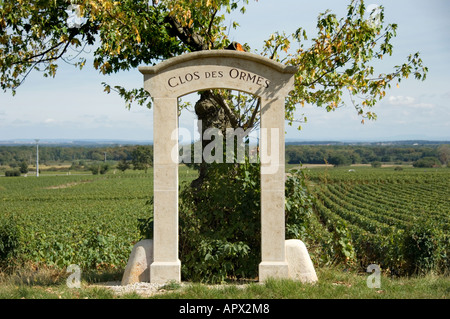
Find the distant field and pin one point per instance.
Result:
(91, 220)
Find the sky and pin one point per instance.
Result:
(73, 105)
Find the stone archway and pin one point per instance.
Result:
(203, 70)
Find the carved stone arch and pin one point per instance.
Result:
(192, 72)
(225, 69)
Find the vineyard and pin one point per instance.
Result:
(63, 220)
(88, 220)
(397, 219)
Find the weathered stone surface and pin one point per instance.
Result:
(199, 71)
(203, 70)
(299, 263)
(138, 266)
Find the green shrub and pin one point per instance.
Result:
(145, 225)
(23, 167)
(421, 248)
(340, 159)
(220, 222)
(298, 206)
(425, 246)
(99, 169)
(427, 162)
(10, 241)
(14, 172)
(376, 164)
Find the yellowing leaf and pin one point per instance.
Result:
(138, 36)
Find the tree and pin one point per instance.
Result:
(99, 168)
(142, 157)
(36, 36)
(428, 161)
(339, 159)
(23, 167)
(123, 165)
(444, 153)
(376, 164)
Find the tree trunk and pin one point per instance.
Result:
(211, 115)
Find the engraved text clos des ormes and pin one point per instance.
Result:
(234, 74)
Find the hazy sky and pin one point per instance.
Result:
(74, 106)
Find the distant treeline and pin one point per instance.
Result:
(306, 154)
(364, 154)
(17, 154)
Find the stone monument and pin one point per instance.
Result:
(270, 82)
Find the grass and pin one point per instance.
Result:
(333, 284)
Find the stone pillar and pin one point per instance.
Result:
(273, 261)
(166, 265)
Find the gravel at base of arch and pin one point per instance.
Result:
(147, 289)
(141, 288)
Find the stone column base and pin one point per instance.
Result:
(273, 269)
(300, 265)
(138, 266)
(162, 272)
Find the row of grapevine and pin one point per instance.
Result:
(87, 220)
(399, 221)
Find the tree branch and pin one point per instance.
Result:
(255, 111)
(211, 24)
(28, 59)
(219, 100)
(42, 60)
(194, 41)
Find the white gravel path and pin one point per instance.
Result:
(147, 289)
(142, 288)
